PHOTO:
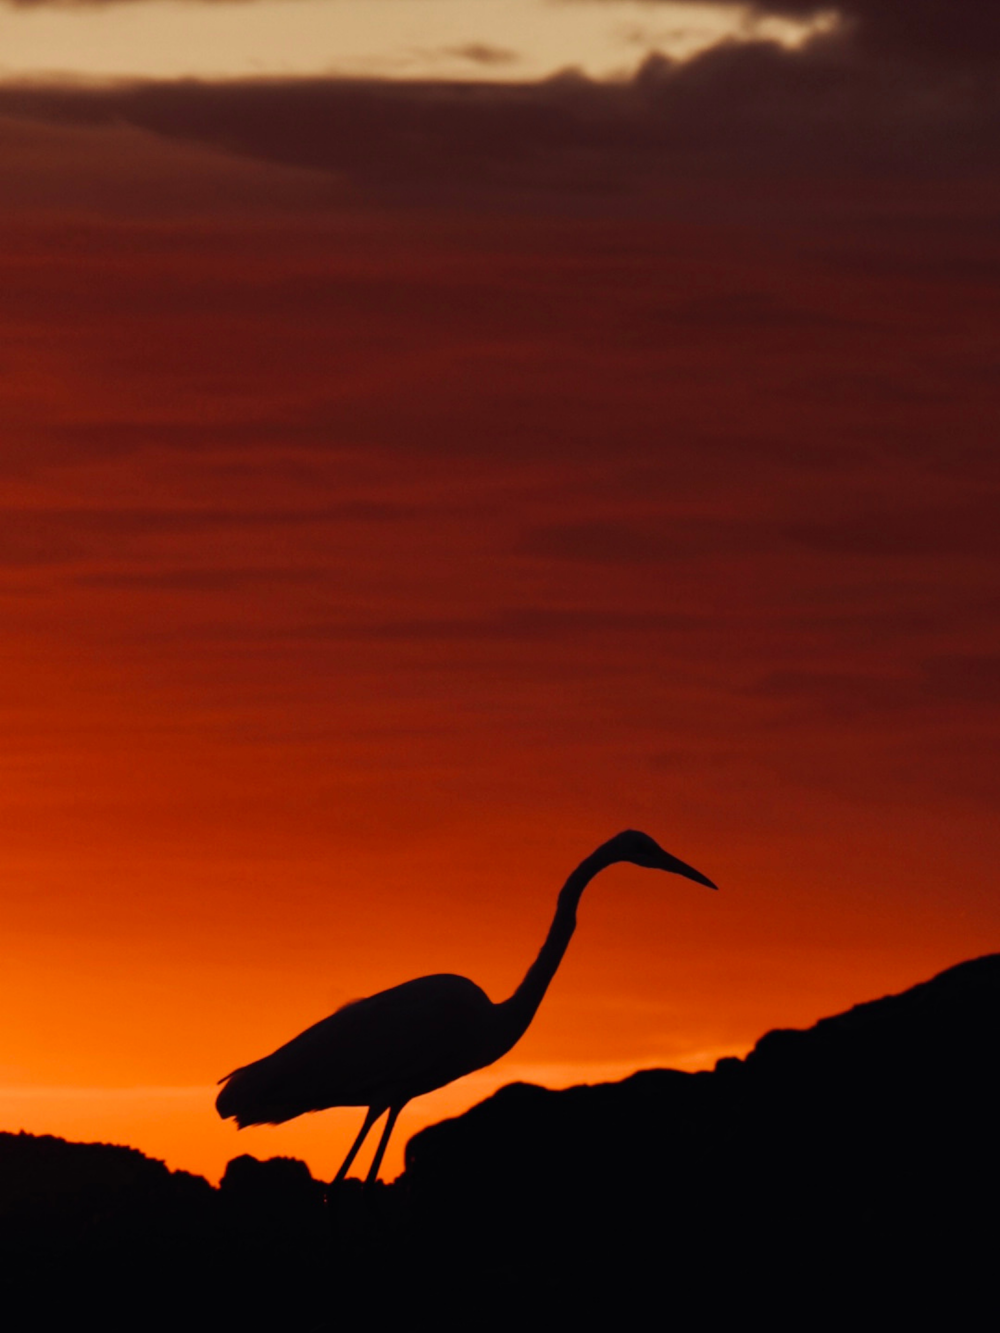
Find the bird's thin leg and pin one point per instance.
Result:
(383, 1143)
(370, 1118)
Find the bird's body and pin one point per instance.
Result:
(383, 1051)
(372, 1052)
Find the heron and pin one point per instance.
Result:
(383, 1051)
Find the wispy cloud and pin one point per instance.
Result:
(481, 53)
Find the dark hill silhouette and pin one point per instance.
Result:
(925, 1055)
(847, 1171)
(101, 1230)
(858, 1158)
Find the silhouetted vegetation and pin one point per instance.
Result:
(848, 1171)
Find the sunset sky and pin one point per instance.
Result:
(437, 434)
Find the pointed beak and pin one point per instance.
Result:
(675, 867)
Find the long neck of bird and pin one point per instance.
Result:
(516, 1013)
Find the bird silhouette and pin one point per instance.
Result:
(383, 1051)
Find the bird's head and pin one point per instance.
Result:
(642, 850)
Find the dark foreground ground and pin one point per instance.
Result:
(848, 1173)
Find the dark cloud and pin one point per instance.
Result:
(840, 695)
(530, 624)
(55, 536)
(933, 31)
(603, 541)
(740, 110)
(515, 625)
(480, 53)
(964, 677)
(197, 580)
(960, 528)
(936, 31)
(950, 680)
(88, 159)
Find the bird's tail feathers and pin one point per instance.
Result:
(254, 1096)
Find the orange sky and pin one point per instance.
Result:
(369, 557)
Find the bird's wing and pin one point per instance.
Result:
(376, 1052)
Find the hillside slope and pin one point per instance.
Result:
(850, 1170)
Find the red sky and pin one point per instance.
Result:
(391, 516)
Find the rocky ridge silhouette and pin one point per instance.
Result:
(850, 1169)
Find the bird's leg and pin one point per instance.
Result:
(370, 1118)
(383, 1143)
